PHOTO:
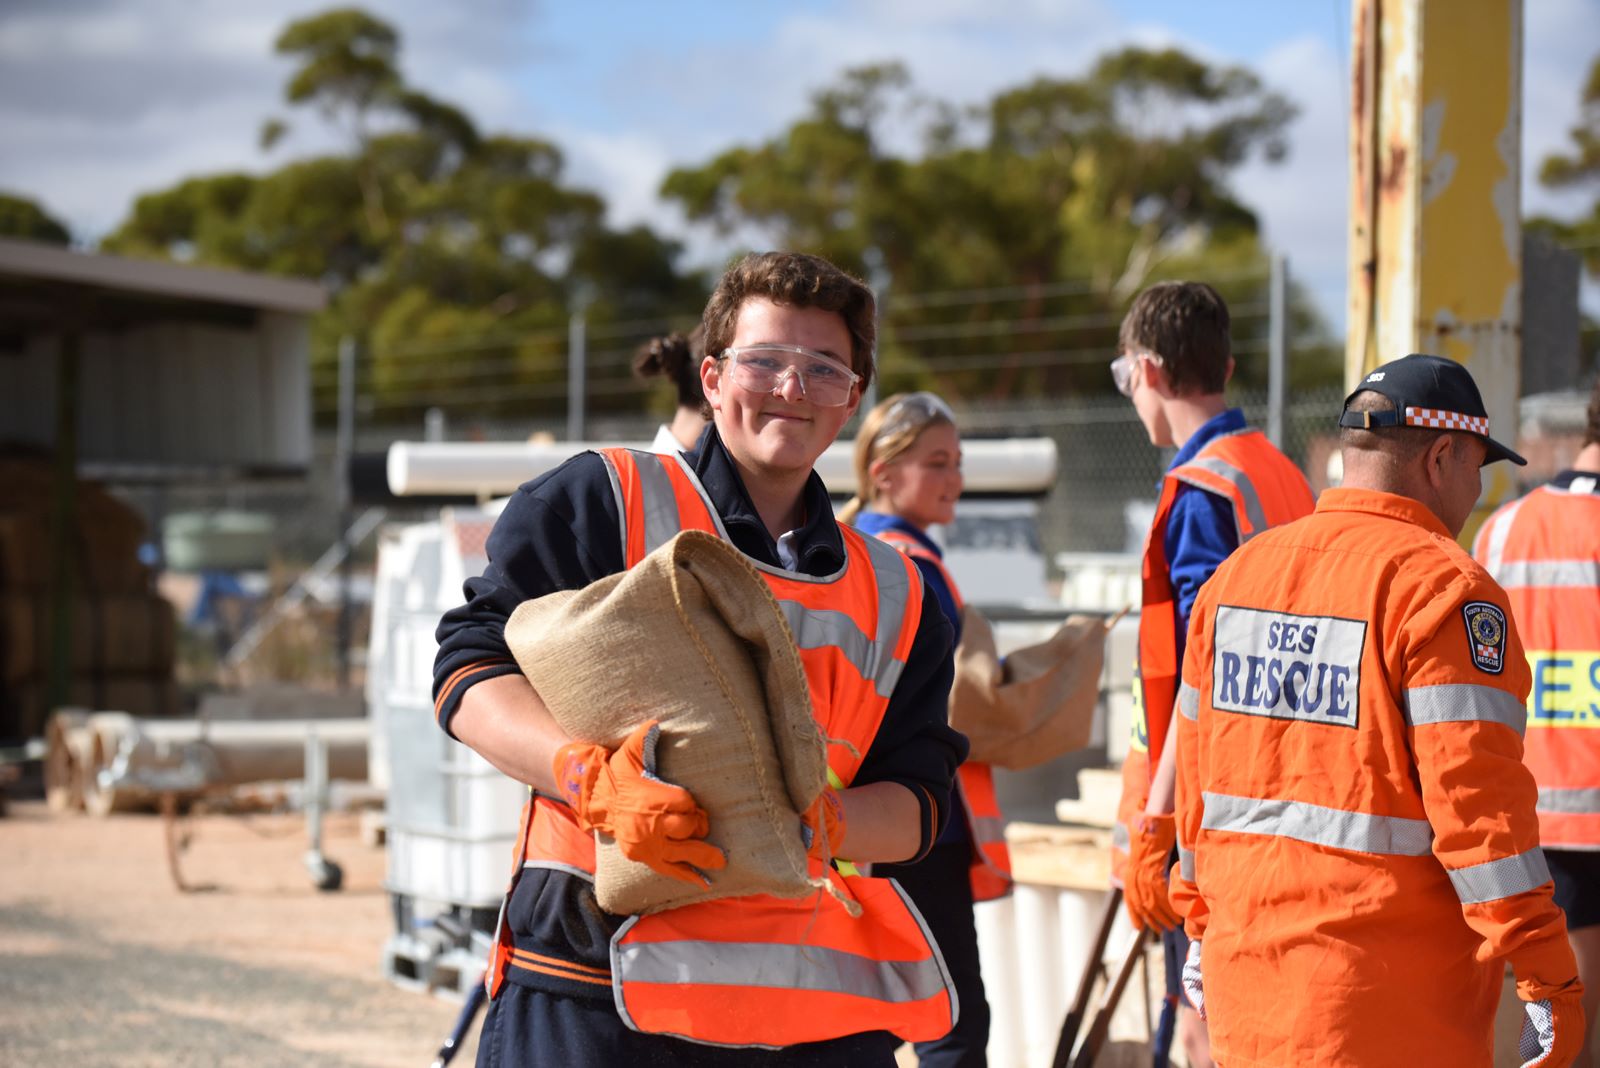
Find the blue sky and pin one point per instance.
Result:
(103, 99)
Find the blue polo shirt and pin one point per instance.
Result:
(1201, 528)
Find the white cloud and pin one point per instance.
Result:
(1561, 40)
(104, 99)
(101, 102)
(1302, 201)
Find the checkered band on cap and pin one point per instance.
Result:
(1437, 419)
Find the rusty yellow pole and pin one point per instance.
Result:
(1435, 203)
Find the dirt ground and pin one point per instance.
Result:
(104, 962)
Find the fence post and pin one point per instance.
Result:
(577, 368)
(1278, 351)
(344, 451)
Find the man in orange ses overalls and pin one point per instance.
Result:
(1358, 849)
(1545, 550)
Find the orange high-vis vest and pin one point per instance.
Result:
(1357, 847)
(990, 870)
(761, 971)
(1544, 548)
(1266, 489)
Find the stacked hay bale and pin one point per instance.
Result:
(121, 636)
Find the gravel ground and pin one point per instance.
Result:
(104, 962)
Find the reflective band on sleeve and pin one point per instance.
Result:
(821, 628)
(1496, 879)
(1305, 822)
(1464, 703)
(1189, 702)
(1577, 801)
(1120, 837)
(661, 522)
(1247, 492)
(776, 966)
(1186, 863)
(1556, 574)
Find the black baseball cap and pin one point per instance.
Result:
(1428, 391)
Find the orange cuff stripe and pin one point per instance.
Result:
(930, 831)
(559, 963)
(460, 674)
(559, 974)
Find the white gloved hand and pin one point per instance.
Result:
(1552, 1029)
(1193, 988)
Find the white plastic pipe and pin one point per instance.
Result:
(1008, 465)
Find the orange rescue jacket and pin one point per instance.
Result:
(1545, 550)
(761, 971)
(1357, 846)
(990, 870)
(1266, 489)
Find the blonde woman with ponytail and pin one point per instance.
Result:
(908, 475)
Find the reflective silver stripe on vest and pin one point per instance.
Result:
(1464, 703)
(1576, 801)
(820, 628)
(1186, 863)
(813, 628)
(1553, 574)
(988, 828)
(1189, 702)
(1120, 837)
(1317, 824)
(1494, 550)
(1495, 879)
(660, 506)
(777, 966)
(622, 505)
(1240, 481)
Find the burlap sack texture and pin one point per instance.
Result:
(692, 637)
(1035, 706)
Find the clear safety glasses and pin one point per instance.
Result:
(823, 380)
(1122, 369)
(914, 410)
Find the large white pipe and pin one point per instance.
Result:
(130, 761)
(1006, 465)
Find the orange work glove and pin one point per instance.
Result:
(653, 821)
(1552, 1023)
(1144, 884)
(822, 826)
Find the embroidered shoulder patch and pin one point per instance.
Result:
(1486, 635)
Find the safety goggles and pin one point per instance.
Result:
(823, 380)
(914, 410)
(1122, 369)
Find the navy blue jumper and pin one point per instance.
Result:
(562, 531)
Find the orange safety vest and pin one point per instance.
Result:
(1544, 548)
(990, 870)
(1357, 846)
(1266, 489)
(761, 971)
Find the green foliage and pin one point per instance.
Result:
(453, 256)
(24, 218)
(1013, 237)
(1007, 238)
(1578, 169)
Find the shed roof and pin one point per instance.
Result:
(43, 284)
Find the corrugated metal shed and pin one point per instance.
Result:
(178, 372)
